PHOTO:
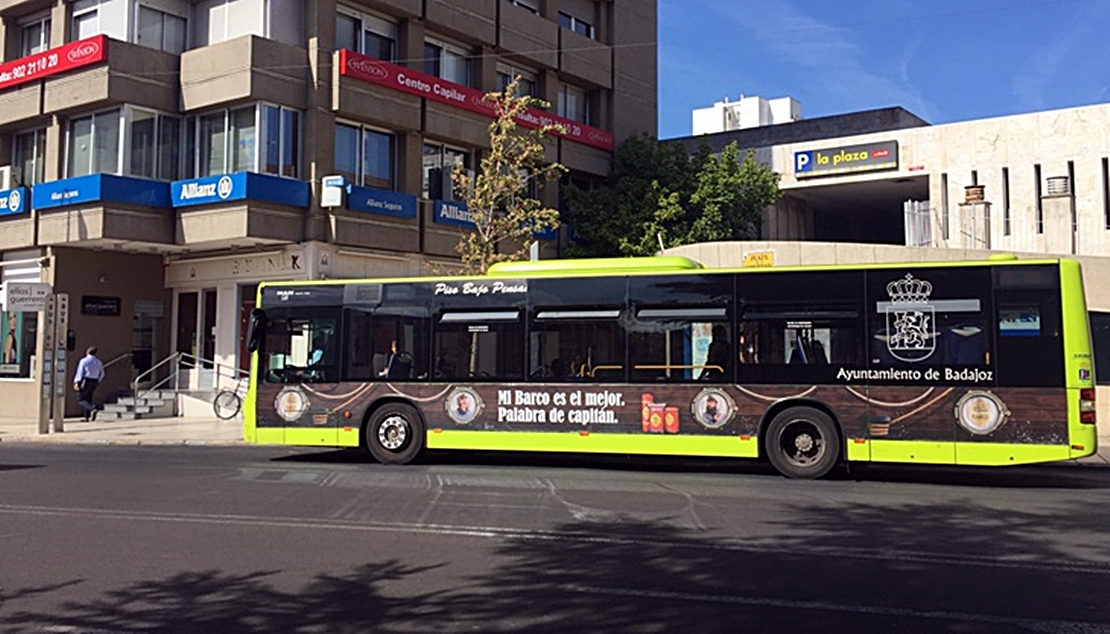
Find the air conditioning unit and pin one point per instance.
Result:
(6, 177)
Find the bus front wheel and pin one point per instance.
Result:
(802, 442)
(395, 434)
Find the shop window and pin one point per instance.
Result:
(28, 156)
(161, 30)
(34, 35)
(447, 61)
(438, 164)
(18, 347)
(366, 34)
(365, 156)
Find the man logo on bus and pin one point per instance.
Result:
(911, 332)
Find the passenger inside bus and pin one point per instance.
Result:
(718, 361)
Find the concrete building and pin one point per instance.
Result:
(748, 112)
(166, 156)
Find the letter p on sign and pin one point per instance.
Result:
(803, 162)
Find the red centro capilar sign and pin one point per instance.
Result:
(375, 71)
(65, 58)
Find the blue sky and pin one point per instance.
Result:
(943, 60)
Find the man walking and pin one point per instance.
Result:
(90, 372)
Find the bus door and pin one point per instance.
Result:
(299, 375)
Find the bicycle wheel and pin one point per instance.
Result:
(226, 404)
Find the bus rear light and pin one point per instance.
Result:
(1087, 414)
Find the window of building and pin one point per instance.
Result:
(1037, 196)
(439, 161)
(447, 61)
(1005, 201)
(86, 20)
(94, 144)
(572, 104)
(29, 154)
(364, 156)
(257, 138)
(506, 73)
(161, 30)
(532, 6)
(34, 35)
(366, 34)
(127, 140)
(578, 25)
(155, 145)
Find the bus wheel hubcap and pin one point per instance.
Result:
(804, 442)
(393, 432)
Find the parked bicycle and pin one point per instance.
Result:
(229, 402)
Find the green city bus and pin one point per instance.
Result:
(959, 363)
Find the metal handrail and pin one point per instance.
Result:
(125, 355)
(176, 360)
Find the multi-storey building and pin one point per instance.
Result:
(166, 156)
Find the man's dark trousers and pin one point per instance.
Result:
(85, 398)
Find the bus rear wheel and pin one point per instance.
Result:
(395, 434)
(802, 442)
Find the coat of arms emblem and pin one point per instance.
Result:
(910, 319)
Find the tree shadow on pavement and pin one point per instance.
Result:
(914, 567)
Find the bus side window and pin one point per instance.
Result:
(571, 344)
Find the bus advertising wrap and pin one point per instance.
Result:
(392, 76)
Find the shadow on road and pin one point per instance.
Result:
(915, 567)
(1050, 476)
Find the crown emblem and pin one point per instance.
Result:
(909, 290)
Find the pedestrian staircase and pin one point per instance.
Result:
(152, 404)
(179, 385)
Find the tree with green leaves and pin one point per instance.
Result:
(659, 197)
(506, 218)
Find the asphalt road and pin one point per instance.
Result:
(258, 539)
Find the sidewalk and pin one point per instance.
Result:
(178, 430)
(209, 430)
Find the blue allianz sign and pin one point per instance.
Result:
(100, 188)
(452, 213)
(381, 202)
(240, 186)
(13, 201)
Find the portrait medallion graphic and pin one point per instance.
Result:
(463, 405)
(290, 404)
(713, 408)
(910, 319)
(981, 412)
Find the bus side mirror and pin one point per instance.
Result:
(257, 328)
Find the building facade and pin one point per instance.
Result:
(167, 156)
